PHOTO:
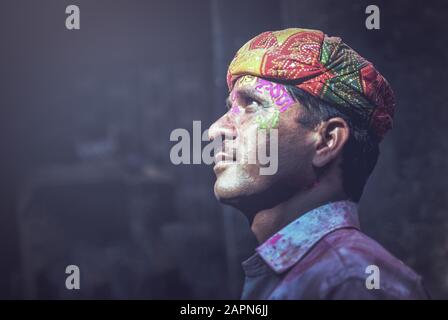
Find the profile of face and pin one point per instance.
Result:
(255, 105)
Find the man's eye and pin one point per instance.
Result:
(251, 103)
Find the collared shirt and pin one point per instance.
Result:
(324, 255)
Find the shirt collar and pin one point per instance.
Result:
(287, 247)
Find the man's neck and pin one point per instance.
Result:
(268, 221)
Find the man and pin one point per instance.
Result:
(331, 108)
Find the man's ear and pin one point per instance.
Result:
(331, 136)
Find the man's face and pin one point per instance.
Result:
(256, 105)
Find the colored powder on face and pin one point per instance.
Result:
(235, 109)
(275, 119)
(278, 93)
(261, 122)
(268, 123)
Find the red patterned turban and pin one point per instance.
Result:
(323, 66)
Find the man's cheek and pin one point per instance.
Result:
(247, 145)
(268, 151)
(260, 148)
(268, 121)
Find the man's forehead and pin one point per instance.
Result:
(244, 85)
(248, 83)
(256, 85)
(263, 89)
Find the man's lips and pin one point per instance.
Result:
(222, 160)
(222, 156)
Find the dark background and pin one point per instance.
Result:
(85, 119)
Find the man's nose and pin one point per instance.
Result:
(223, 128)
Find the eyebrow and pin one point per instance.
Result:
(250, 93)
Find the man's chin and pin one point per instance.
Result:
(238, 186)
(235, 193)
(226, 194)
(230, 191)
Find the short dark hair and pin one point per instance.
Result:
(361, 151)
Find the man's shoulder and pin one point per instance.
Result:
(343, 261)
(356, 251)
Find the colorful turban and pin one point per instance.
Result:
(323, 66)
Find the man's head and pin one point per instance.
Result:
(330, 108)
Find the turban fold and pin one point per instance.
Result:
(323, 66)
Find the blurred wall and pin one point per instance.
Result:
(86, 116)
